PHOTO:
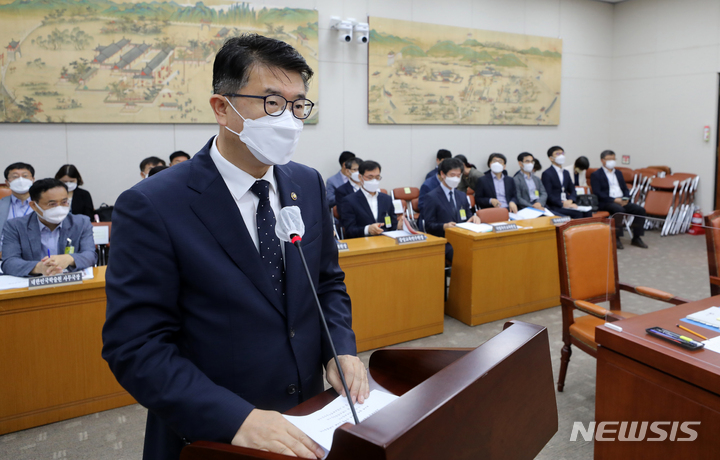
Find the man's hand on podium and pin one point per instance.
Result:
(269, 431)
(355, 377)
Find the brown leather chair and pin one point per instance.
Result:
(587, 259)
(406, 195)
(596, 213)
(712, 237)
(470, 192)
(472, 201)
(647, 172)
(4, 191)
(490, 215)
(588, 173)
(667, 169)
(628, 174)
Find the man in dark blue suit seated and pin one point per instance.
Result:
(352, 185)
(50, 240)
(431, 183)
(446, 206)
(613, 195)
(496, 189)
(211, 320)
(441, 156)
(559, 186)
(368, 212)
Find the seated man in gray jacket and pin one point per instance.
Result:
(529, 188)
(49, 240)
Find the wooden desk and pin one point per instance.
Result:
(500, 275)
(50, 359)
(642, 378)
(396, 290)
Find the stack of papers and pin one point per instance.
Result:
(530, 213)
(395, 234)
(477, 228)
(584, 208)
(321, 425)
(709, 317)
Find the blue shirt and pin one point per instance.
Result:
(531, 187)
(49, 238)
(18, 208)
(500, 190)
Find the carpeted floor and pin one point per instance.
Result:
(677, 264)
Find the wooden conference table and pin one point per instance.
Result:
(50, 363)
(500, 275)
(396, 290)
(642, 378)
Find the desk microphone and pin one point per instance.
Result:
(290, 228)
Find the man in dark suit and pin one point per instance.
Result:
(211, 322)
(368, 212)
(561, 193)
(441, 156)
(446, 206)
(49, 240)
(352, 185)
(496, 189)
(613, 195)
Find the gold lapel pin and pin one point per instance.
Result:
(293, 196)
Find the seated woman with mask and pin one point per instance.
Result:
(79, 199)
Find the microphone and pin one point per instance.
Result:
(290, 228)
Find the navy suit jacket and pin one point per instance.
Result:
(341, 192)
(22, 248)
(355, 213)
(554, 188)
(431, 173)
(439, 211)
(485, 190)
(601, 186)
(430, 183)
(194, 331)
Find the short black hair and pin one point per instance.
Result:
(179, 153)
(154, 161)
(352, 161)
(496, 155)
(554, 149)
(43, 185)
(449, 164)
(464, 159)
(582, 163)
(345, 156)
(524, 155)
(368, 165)
(70, 171)
(443, 154)
(19, 166)
(239, 55)
(538, 166)
(157, 169)
(606, 153)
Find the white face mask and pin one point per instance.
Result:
(272, 140)
(560, 159)
(610, 164)
(21, 185)
(528, 167)
(371, 186)
(71, 186)
(497, 168)
(355, 176)
(452, 182)
(54, 215)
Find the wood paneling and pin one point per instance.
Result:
(396, 290)
(500, 275)
(50, 358)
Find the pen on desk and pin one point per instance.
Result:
(692, 332)
(48, 253)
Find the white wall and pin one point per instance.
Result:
(666, 59)
(108, 155)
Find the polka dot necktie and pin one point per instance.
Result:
(270, 252)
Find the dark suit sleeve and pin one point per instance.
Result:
(143, 320)
(424, 190)
(570, 187)
(543, 193)
(482, 198)
(553, 193)
(431, 216)
(600, 186)
(623, 184)
(85, 255)
(349, 220)
(13, 262)
(510, 192)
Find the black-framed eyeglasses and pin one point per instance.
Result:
(275, 105)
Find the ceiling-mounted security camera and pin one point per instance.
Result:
(362, 32)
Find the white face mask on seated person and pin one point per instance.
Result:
(271, 140)
(70, 185)
(21, 185)
(452, 182)
(610, 164)
(371, 186)
(54, 215)
(497, 167)
(560, 159)
(355, 176)
(528, 167)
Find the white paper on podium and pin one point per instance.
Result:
(321, 425)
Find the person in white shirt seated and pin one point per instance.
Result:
(559, 186)
(614, 197)
(368, 212)
(578, 171)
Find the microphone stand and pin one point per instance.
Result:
(296, 241)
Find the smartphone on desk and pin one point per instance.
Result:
(672, 337)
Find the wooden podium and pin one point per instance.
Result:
(494, 402)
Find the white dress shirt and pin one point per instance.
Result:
(560, 174)
(373, 202)
(615, 190)
(239, 183)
